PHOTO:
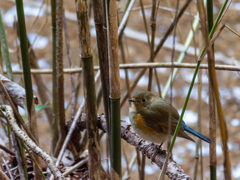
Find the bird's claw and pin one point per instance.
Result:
(148, 146)
(158, 150)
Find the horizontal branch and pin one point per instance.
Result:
(173, 171)
(137, 66)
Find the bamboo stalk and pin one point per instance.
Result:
(27, 80)
(99, 17)
(121, 28)
(107, 81)
(214, 86)
(212, 110)
(42, 89)
(114, 89)
(55, 125)
(90, 93)
(60, 77)
(212, 135)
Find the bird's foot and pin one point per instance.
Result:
(148, 146)
(158, 150)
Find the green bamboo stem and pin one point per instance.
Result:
(184, 107)
(55, 125)
(114, 89)
(214, 86)
(60, 77)
(27, 78)
(89, 90)
(103, 60)
(212, 122)
(25, 56)
(116, 135)
(92, 124)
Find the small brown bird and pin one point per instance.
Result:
(149, 118)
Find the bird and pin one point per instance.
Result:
(149, 116)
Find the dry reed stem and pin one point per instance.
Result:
(214, 85)
(60, 77)
(137, 66)
(94, 164)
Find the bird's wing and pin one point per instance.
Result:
(164, 107)
(157, 118)
(151, 119)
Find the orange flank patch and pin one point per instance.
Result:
(140, 124)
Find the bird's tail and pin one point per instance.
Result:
(195, 133)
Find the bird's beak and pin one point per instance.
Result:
(131, 100)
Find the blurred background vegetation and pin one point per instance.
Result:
(136, 49)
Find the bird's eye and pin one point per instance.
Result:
(143, 100)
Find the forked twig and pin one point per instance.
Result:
(29, 142)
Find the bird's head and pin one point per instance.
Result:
(142, 99)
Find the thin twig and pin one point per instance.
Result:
(68, 137)
(7, 150)
(125, 19)
(83, 156)
(73, 125)
(7, 168)
(168, 32)
(137, 66)
(161, 176)
(153, 28)
(30, 143)
(73, 101)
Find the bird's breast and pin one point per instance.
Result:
(140, 123)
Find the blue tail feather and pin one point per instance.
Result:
(195, 133)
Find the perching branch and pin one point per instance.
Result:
(174, 171)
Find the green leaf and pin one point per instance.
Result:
(39, 107)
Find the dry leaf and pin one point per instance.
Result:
(16, 92)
